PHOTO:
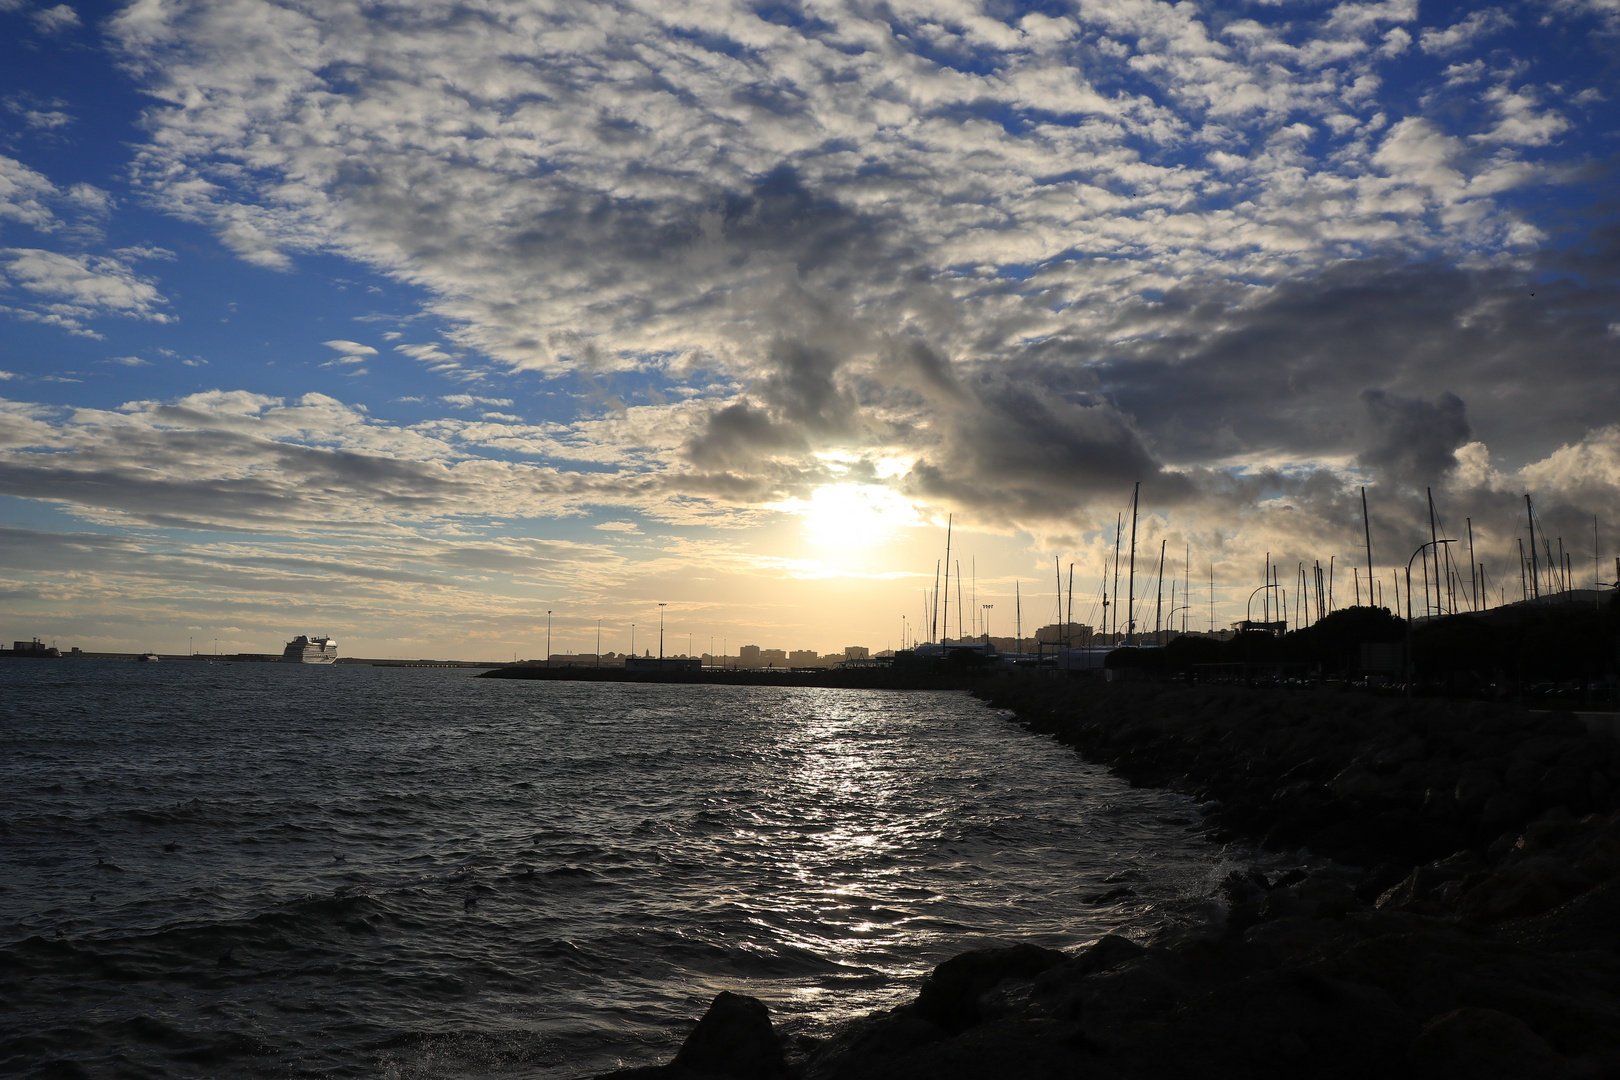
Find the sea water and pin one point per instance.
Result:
(283, 871)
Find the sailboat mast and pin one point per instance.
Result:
(1130, 603)
(1068, 618)
(1473, 574)
(1535, 571)
(1366, 528)
(959, 629)
(1434, 540)
(1158, 604)
(947, 612)
(933, 607)
(1119, 525)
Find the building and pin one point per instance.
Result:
(804, 658)
(748, 656)
(857, 652)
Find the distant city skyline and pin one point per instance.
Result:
(410, 324)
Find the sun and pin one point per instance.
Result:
(853, 515)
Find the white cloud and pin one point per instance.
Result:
(614, 194)
(69, 290)
(1520, 124)
(1479, 24)
(24, 194)
(129, 361)
(352, 348)
(467, 401)
(39, 114)
(56, 20)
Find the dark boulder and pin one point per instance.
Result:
(1484, 1044)
(950, 996)
(734, 1040)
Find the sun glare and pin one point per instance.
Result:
(854, 515)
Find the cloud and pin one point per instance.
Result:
(39, 114)
(680, 200)
(353, 348)
(1034, 260)
(25, 195)
(1479, 24)
(69, 290)
(129, 361)
(56, 20)
(467, 401)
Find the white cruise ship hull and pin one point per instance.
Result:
(307, 650)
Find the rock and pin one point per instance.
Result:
(1474, 786)
(1424, 882)
(950, 996)
(1357, 784)
(1504, 810)
(734, 1040)
(1484, 1044)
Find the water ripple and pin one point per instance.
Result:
(256, 870)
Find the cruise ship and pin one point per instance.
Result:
(308, 650)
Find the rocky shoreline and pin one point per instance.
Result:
(1469, 925)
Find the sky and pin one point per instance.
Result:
(413, 322)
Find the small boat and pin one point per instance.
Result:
(151, 657)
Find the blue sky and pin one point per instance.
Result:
(410, 324)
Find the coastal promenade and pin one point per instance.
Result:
(1468, 924)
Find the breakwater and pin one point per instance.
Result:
(914, 677)
(1469, 926)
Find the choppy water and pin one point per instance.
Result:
(267, 870)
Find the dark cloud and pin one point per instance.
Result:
(1413, 440)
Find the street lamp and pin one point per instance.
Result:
(548, 639)
(661, 608)
(1248, 609)
(598, 641)
(632, 639)
(987, 608)
(1415, 554)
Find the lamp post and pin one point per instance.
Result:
(1248, 609)
(987, 608)
(1409, 665)
(598, 641)
(632, 639)
(661, 608)
(548, 639)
